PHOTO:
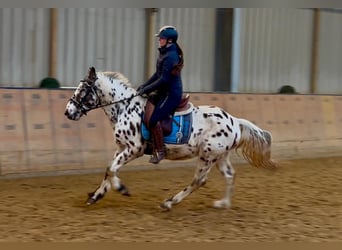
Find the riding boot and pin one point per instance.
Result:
(158, 144)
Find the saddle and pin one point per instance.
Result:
(166, 124)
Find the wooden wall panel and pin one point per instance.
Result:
(13, 146)
(92, 139)
(314, 117)
(268, 115)
(338, 116)
(36, 136)
(206, 99)
(285, 118)
(232, 104)
(328, 115)
(39, 128)
(66, 133)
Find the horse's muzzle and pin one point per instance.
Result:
(67, 114)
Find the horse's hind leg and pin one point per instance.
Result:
(199, 179)
(227, 170)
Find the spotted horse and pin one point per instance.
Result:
(214, 134)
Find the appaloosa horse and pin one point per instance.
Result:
(210, 134)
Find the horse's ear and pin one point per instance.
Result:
(92, 74)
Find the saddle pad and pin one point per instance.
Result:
(181, 129)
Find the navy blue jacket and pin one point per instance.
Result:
(163, 81)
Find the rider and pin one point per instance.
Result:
(166, 83)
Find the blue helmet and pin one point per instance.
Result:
(168, 32)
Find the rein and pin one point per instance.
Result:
(112, 102)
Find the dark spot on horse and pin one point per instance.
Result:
(232, 121)
(122, 188)
(224, 113)
(213, 136)
(132, 128)
(230, 130)
(205, 116)
(100, 196)
(218, 116)
(125, 156)
(218, 134)
(119, 160)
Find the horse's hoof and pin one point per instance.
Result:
(221, 204)
(90, 201)
(123, 190)
(166, 206)
(126, 193)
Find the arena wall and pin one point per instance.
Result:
(36, 136)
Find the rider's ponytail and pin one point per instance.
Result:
(178, 67)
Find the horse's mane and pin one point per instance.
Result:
(117, 76)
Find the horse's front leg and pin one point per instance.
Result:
(111, 179)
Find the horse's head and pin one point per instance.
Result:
(85, 97)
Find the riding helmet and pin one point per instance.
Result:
(168, 32)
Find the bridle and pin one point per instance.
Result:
(91, 88)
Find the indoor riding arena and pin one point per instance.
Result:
(49, 164)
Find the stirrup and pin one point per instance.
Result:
(156, 157)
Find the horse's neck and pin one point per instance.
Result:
(114, 91)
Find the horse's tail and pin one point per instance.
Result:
(255, 145)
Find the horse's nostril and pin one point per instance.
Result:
(66, 112)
